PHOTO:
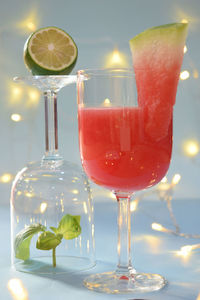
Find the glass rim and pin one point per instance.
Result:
(35, 77)
(126, 72)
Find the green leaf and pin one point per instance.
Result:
(48, 240)
(69, 226)
(23, 249)
(54, 229)
(23, 239)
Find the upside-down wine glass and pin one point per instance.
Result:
(52, 227)
(125, 147)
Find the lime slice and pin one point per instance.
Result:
(50, 51)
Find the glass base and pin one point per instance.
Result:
(113, 283)
(43, 265)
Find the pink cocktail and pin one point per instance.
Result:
(118, 149)
(125, 147)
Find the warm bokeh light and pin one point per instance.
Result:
(157, 227)
(111, 195)
(185, 251)
(116, 59)
(184, 75)
(176, 178)
(195, 74)
(6, 177)
(16, 117)
(75, 191)
(29, 194)
(198, 297)
(164, 180)
(184, 17)
(29, 23)
(185, 49)
(43, 207)
(163, 186)
(33, 97)
(134, 205)
(106, 103)
(85, 208)
(153, 242)
(15, 92)
(191, 148)
(17, 290)
(184, 21)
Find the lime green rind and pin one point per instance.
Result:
(164, 32)
(36, 69)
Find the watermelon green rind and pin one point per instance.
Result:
(159, 48)
(157, 58)
(174, 33)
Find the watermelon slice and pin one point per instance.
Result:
(157, 58)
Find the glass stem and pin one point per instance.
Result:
(54, 257)
(124, 236)
(51, 125)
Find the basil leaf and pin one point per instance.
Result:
(23, 249)
(48, 240)
(54, 229)
(69, 226)
(23, 239)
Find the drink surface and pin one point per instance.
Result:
(125, 148)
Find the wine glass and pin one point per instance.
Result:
(52, 228)
(122, 150)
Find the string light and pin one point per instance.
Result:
(16, 91)
(43, 207)
(75, 191)
(191, 148)
(116, 59)
(5, 178)
(133, 205)
(164, 180)
(112, 196)
(184, 75)
(164, 191)
(85, 207)
(33, 97)
(16, 117)
(198, 297)
(157, 227)
(195, 74)
(176, 178)
(106, 103)
(184, 21)
(161, 228)
(185, 49)
(30, 23)
(186, 250)
(29, 194)
(17, 290)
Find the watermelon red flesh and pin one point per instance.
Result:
(157, 58)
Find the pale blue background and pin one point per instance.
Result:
(98, 26)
